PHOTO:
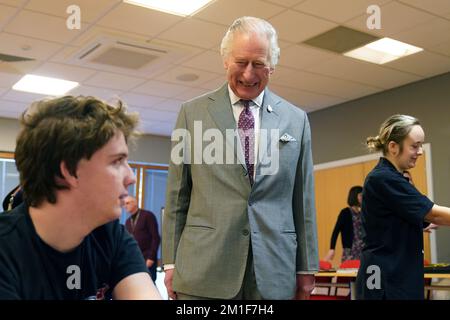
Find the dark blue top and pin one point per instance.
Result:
(393, 212)
(32, 270)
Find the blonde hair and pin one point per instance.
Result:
(396, 128)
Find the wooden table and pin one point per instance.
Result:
(353, 283)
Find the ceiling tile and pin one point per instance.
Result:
(12, 109)
(139, 20)
(225, 12)
(173, 74)
(443, 48)
(5, 14)
(158, 128)
(14, 3)
(27, 47)
(364, 72)
(140, 100)
(285, 3)
(395, 17)
(438, 7)
(424, 63)
(305, 100)
(7, 80)
(24, 97)
(295, 26)
(3, 90)
(12, 106)
(42, 26)
(337, 11)
(191, 94)
(160, 89)
(64, 71)
(302, 56)
(98, 92)
(321, 84)
(170, 105)
(208, 61)
(155, 115)
(426, 34)
(188, 32)
(114, 81)
(89, 10)
(214, 84)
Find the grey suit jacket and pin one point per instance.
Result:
(212, 212)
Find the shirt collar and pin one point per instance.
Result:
(235, 99)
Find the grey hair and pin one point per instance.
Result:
(248, 25)
(396, 128)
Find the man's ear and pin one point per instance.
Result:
(67, 179)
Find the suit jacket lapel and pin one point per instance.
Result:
(222, 114)
(269, 121)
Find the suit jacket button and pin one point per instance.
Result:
(245, 232)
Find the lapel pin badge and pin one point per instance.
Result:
(269, 108)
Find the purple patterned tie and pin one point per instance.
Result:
(246, 126)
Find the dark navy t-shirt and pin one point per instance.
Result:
(393, 213)
(32, 270)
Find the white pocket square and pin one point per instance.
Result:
(286, 138)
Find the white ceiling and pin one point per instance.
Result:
(308, 77)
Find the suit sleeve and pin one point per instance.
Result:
(304, 206)
(178, 193)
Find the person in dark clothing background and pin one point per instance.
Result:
(143, 226)
(348, 225)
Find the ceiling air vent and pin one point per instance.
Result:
(123, 55)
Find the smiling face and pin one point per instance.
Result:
(412, 149)
(103, 180)
(247, 65)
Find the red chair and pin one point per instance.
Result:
(350, 264)
(325, 265)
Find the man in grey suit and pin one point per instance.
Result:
(240, 218)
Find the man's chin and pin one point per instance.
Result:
(249, 93)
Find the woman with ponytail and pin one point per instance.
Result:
(393, 212)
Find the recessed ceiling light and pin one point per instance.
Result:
(177, 7)
(44, 85)
(383, 51)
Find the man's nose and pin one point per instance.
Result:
(420, 151)
(249, 70)
(130, 178)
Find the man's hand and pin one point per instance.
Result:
(168, 283)
(305, 285)
(149, 263)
